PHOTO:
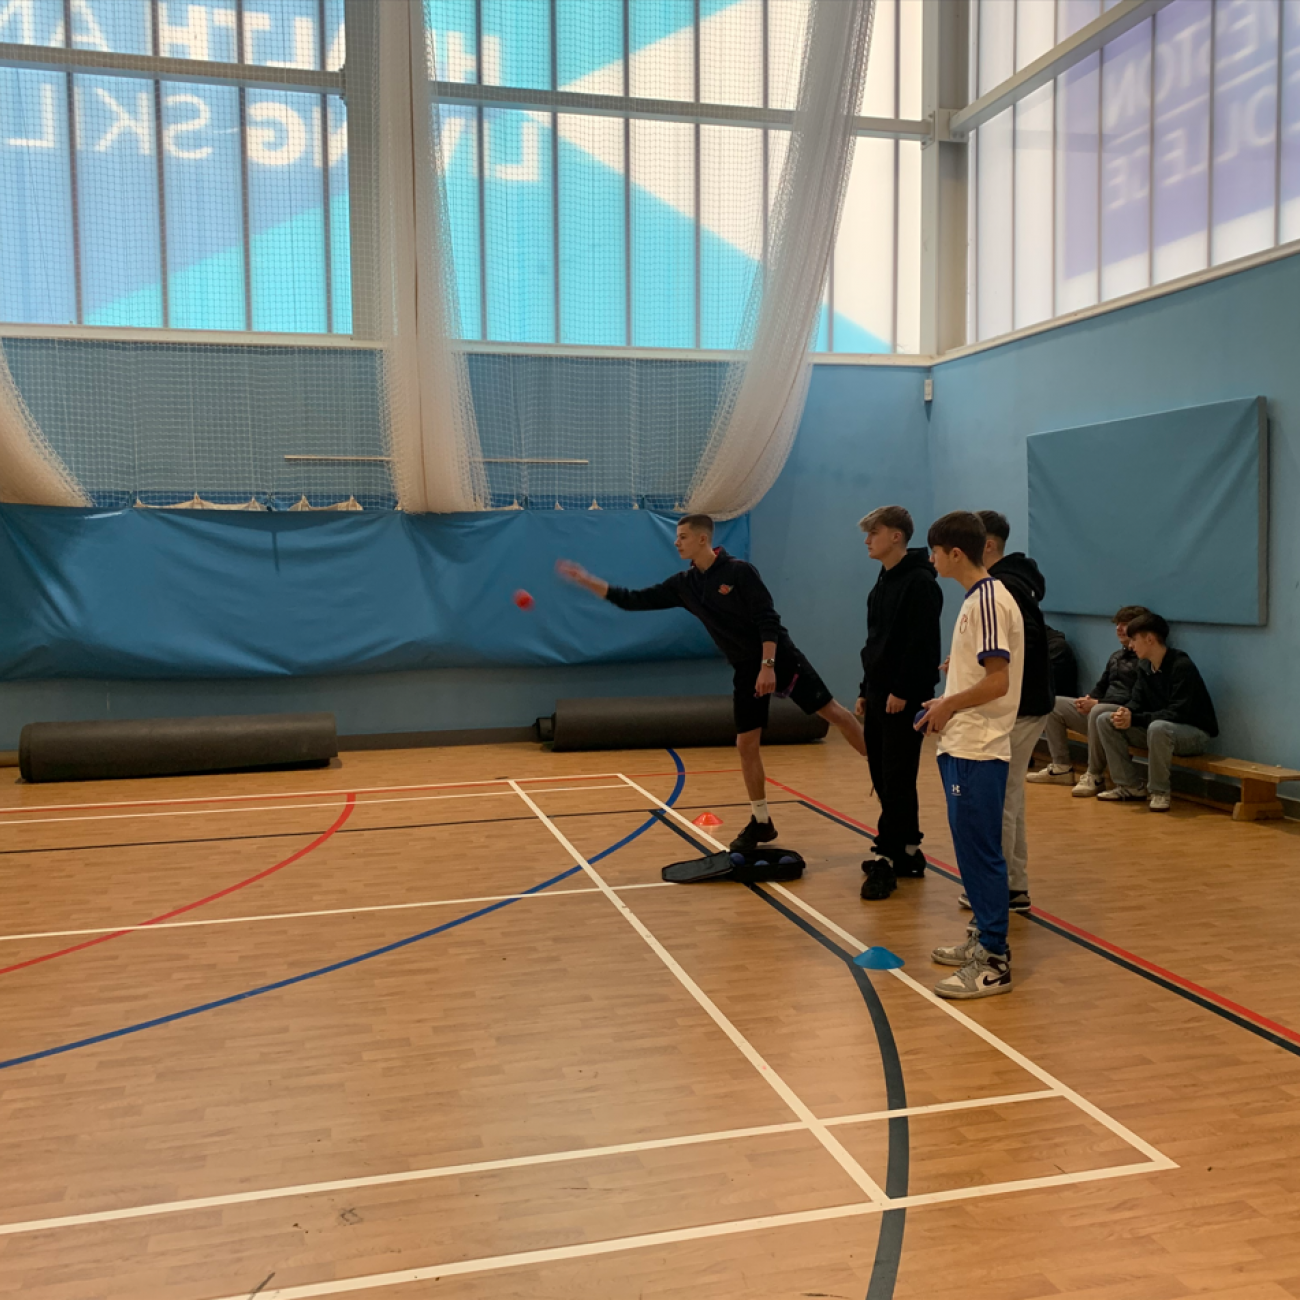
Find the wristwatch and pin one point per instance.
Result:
(769, 663)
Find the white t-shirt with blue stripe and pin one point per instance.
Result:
(988, 624)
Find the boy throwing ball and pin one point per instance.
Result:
(729, 598)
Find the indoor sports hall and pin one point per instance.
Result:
(647, 649)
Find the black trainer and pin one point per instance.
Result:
(880, 881)
(909, 866)
(754, 834)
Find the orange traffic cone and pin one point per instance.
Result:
(707, 820)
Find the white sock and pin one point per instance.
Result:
(760, 810)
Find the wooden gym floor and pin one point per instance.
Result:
(427, 1024)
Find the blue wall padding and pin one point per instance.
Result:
(161, 595)
(1167, 510)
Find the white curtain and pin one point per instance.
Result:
(762, 400)
(31, 472)
(433, 438)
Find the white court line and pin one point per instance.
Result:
(329, 911)
(299, 794)
(587, 1249)
(385, 1180)
(1158, 1158)
(941, 1107)
(288, 807)
(485, 1166)
(834, 1148)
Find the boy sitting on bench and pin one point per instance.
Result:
(1113, 688)
(1170, 713)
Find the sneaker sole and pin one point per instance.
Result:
(1086, 794)
(963, 995)
(948, 961)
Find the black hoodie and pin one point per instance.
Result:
(1021, 577)
(902, 653)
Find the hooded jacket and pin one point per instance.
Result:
(1021, 577)
(902, 653)
(1175, 692)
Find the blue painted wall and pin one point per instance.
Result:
(867, 439)
(862, 443)
(1232, 337)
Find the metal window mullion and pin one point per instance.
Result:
(1056, 99)
(973, 183)
(555, 167)
(327, 230)
(898, 171)
(74, 196)
(1209, 154)
(698, 185)
(1277, 131)
(480, 152)
(162, 204)
(766, 21)
(161, 168)
(74, 186)
(244, 179)
(1101, 152)
(1151, 160)
(627, 170)
(1015, 160)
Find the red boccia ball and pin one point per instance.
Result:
(523, 599)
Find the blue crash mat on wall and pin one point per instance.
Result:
(1167, 510)
(157, 594)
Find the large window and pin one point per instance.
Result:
(133, 198)
(156, 202)
(1173, 149)
(640, 232)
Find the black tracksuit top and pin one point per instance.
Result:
(1177, 693)
(1115, 685)
(731, 601)
(1027, 586)
(903, 650)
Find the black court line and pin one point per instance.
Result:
(889, 1244)
(1130, 964)
(355, 830)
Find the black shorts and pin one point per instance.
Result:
(795, 677)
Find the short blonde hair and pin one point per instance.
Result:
(888, 517)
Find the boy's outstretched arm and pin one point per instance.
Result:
(576, 574)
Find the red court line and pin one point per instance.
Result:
(1209, 995)
(348, 807)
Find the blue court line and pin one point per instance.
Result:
(142, 1025)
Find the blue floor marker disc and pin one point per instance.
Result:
(878, 959)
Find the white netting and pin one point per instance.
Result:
(271, 273)
(31, 472)
(763, 399)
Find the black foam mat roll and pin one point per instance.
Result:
(660, 721)
(93, 751)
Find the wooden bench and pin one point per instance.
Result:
(1259, 782)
